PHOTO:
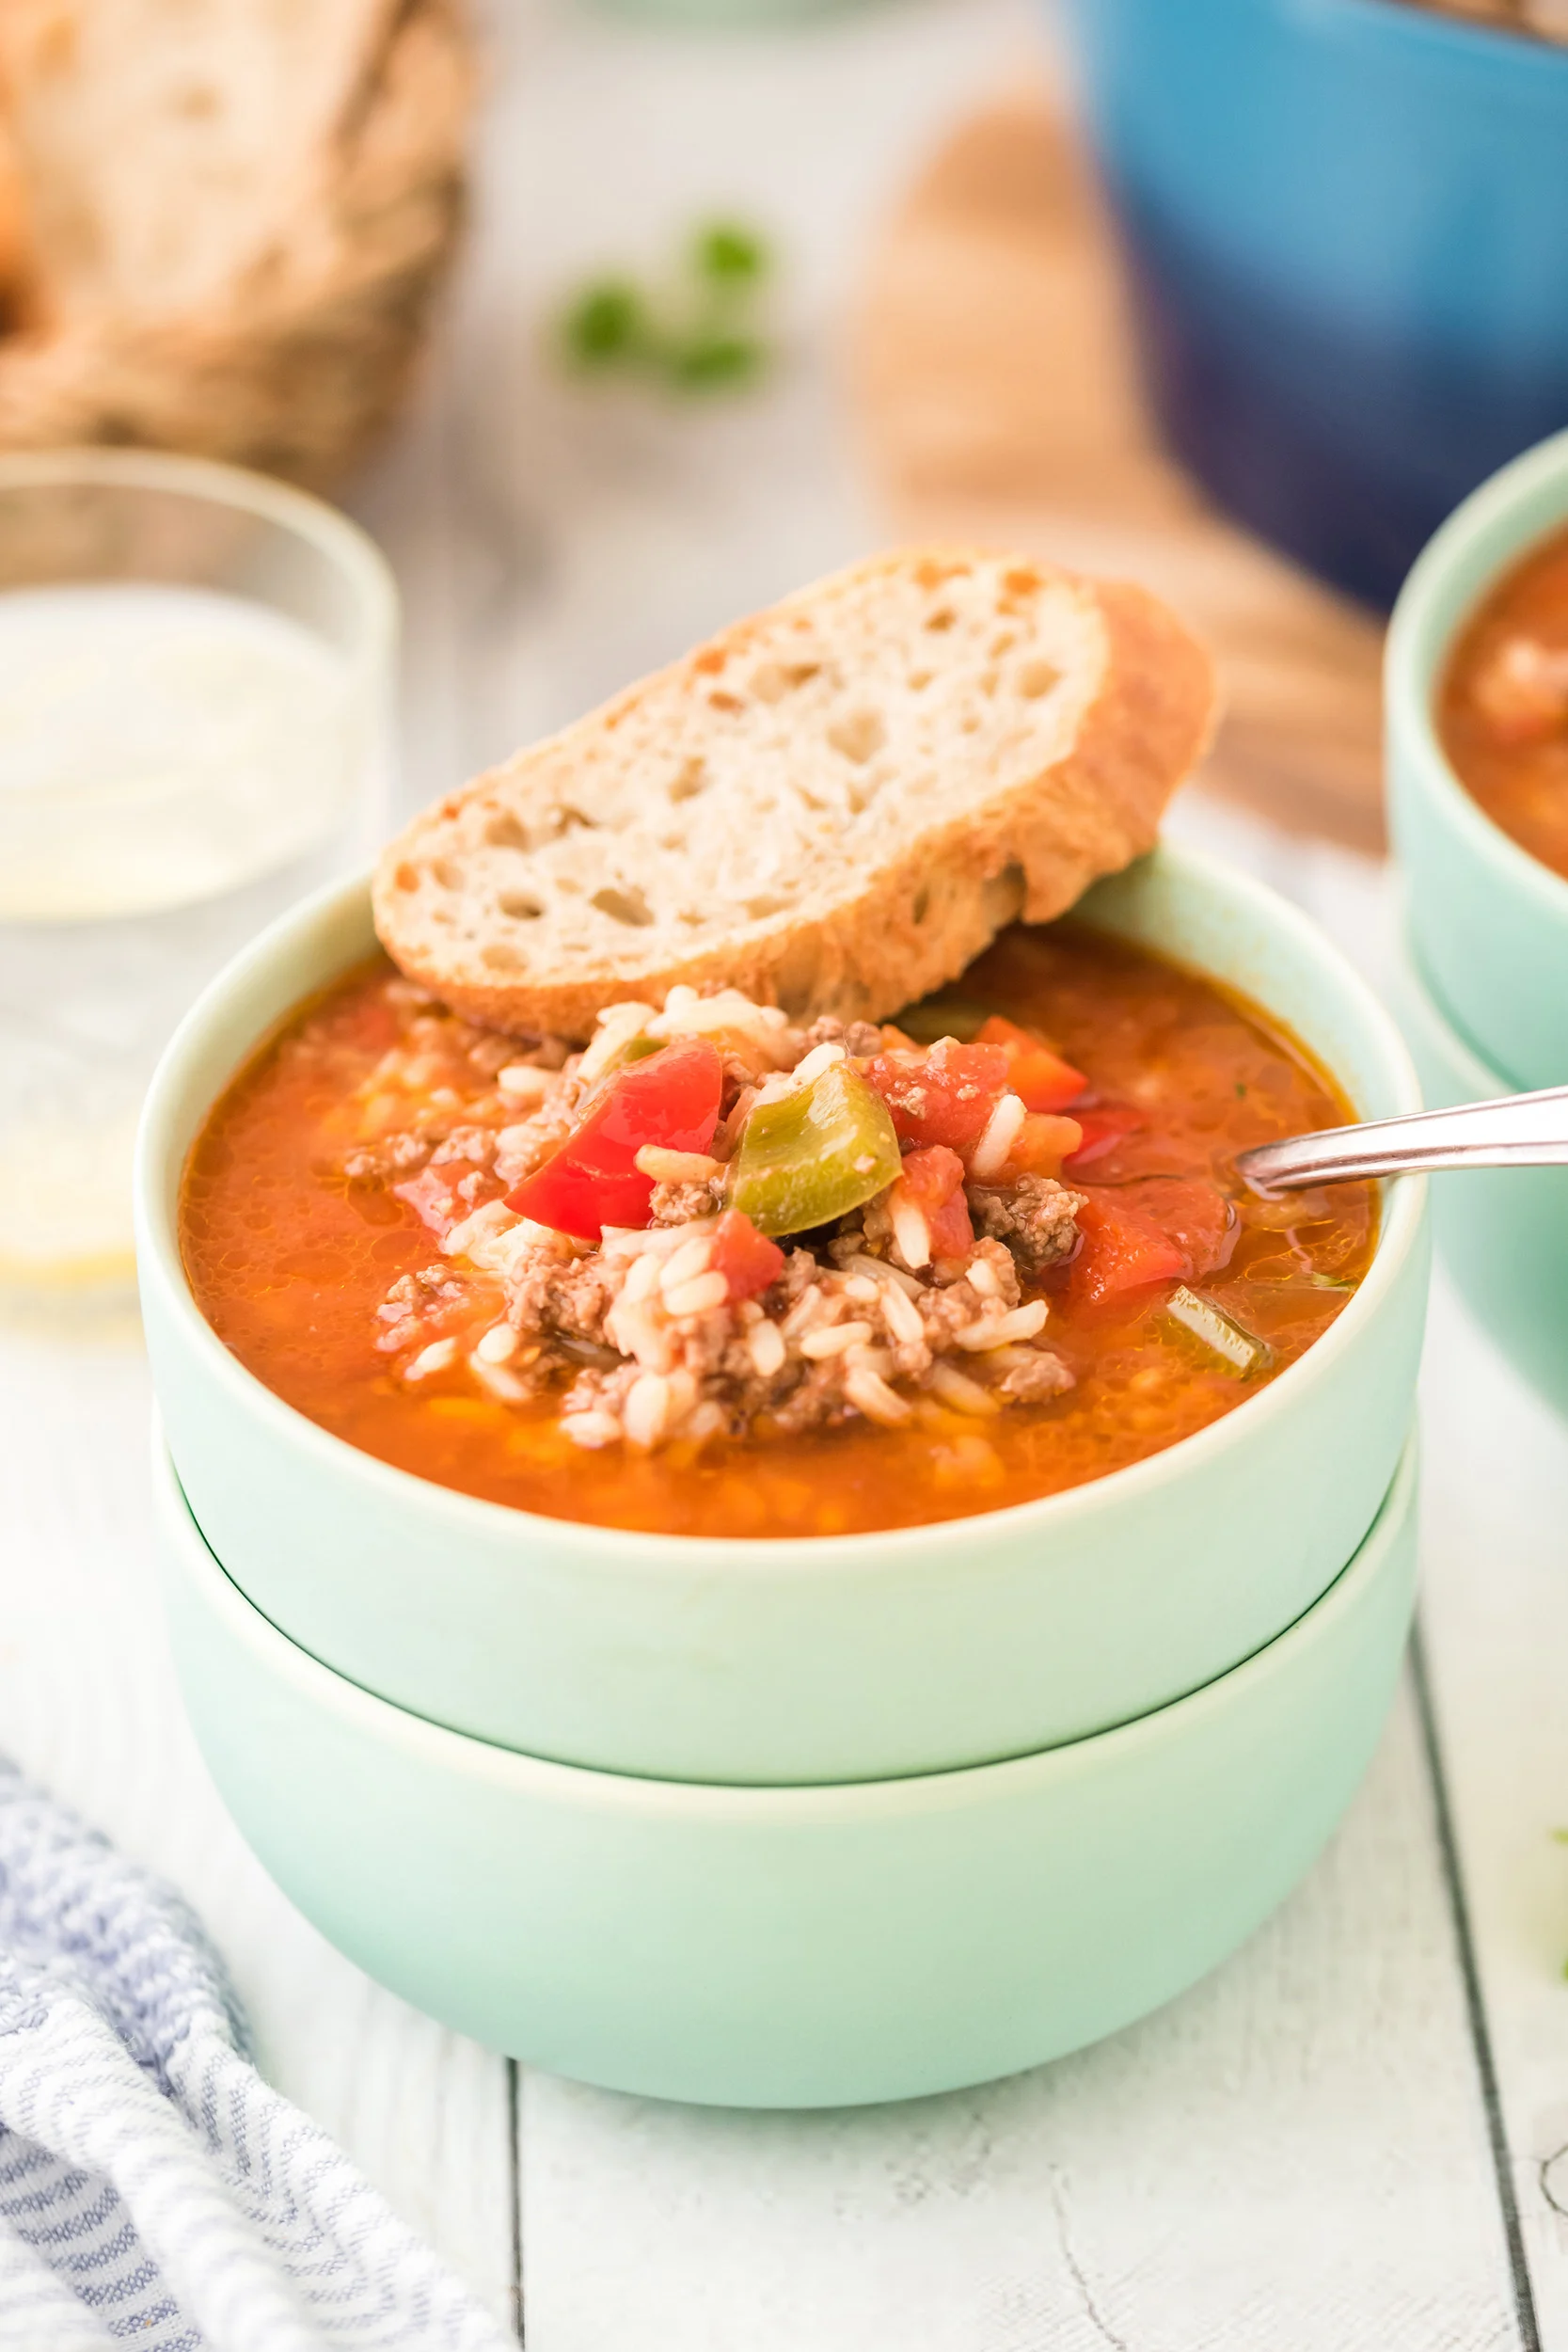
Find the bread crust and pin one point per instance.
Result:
(918, 920)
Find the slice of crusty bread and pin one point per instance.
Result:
(833, 805)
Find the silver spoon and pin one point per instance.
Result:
(1517, 1131)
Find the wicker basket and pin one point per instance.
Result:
(299, 353)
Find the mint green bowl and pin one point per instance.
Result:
(1502, 1233)
(1489, 922)
(791, 1947)
(832, 1658)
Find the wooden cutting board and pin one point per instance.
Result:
(994, 378)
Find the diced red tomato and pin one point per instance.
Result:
(1193, 1212)
(1039, 1076)
(1042, 1145)
(933, 1178)
(747, 1260)
(1104, 1127)
(1122, 1250)
(946, 1096)
(593, 1180)
(432, 1196)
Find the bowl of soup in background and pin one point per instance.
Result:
(828, 1657)
(1342, 226)
(791, 1947)
(1502, 1233)
(1489, 921)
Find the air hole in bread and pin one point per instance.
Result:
(858, 736)
(499, 957)
(769, 902)
(862, 793)
(922, 906)
(573, 820)
(1037, 678)
(945, 619)
(720, 701)
(917, 680)
(1004, 896)
(405, 878)
(989, 681)
(624, 906)
(1003, 644)
(519, 907)
(690, 779)
(449, 874)
(505, 831)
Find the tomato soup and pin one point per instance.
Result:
(1039, 1265)
(1503, 705)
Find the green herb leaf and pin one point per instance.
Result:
(713, 362)
(606, 325)
(729, 255)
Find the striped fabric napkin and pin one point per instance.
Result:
(152, 2188)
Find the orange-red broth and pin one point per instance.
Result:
(289, 1259)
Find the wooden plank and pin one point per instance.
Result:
(88, 1706)
(1497, 1631)
(1294, 2154)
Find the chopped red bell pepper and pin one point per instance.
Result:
(671, 1099)
(1122, 1250)
(945, 1096)
(747, 1260)
(1191, 1212)
(933, 1178)
(1042, 1146)
(1104, 1124)
(1037, 1075)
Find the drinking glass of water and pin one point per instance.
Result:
(196, 669)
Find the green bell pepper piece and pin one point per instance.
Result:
(815, 1154)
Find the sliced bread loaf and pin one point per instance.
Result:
(833, 805)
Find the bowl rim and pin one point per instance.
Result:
(1421, 636)
(805, 1804)
(875, 1550)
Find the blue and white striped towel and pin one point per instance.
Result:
(152, 2187)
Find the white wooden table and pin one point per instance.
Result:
(1356, 2134)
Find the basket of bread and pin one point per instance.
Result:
(222, 225)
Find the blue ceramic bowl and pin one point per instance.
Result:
(1343, 227)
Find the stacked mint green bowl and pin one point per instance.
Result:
(1483, 988)
(807, 1821)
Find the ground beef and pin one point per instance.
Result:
(1032, 1375)
(477, 1145)
(388, 1163)
(1034, 1220)
(678, 1204)
(859, 1038)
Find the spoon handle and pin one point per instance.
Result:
(1517, 1131)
